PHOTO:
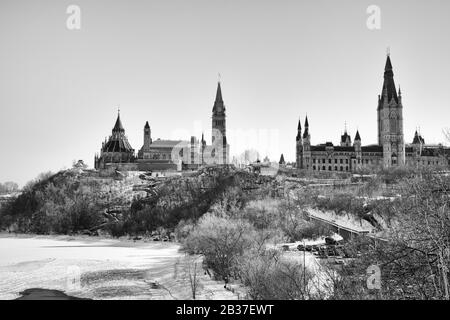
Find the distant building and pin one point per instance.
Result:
(116, 149)
(282, 162)
(167, 154)
(390, 151)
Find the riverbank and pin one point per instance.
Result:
(100, 268)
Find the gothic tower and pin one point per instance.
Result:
(299, 147)
(306, 146)
(219, 138)
(390, 120)
(358, 150)
(147, 136)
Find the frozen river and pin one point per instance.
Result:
(99, 268)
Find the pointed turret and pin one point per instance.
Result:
(389, 84)
(357, 137)
(346, 140)
(299, 131)
(147, 126)
(416, 138)
(218, 103)
(306, 133)
(219, 93)
(388, 66)
(118, 127)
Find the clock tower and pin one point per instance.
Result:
(390, 120)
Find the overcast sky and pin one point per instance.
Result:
(159, 60)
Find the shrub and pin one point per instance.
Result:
(222, 241)
(268, 276)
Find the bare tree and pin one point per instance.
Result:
(192, 269)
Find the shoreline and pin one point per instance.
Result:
(80, 237)
(46, 294)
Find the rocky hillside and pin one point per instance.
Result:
(79, 200)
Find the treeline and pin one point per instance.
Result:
(238, 244)
(70, 202)
(413, 254)
(57, 203)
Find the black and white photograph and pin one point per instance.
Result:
(223, 155)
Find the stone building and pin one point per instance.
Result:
(390, 151)
(167, 154)
(116, 149)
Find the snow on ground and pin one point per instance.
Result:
(321, 281)
(100, 268)
(309, 242)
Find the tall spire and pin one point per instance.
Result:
(219, 93)
(357, 137)
(389, 84)
(218, 103)
(118, 127)
(306, 133)
(299, 131)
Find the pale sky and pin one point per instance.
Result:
(159, 60)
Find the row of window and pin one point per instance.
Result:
(341, 161)
(157, 156)
(330, 161)
(330, 168)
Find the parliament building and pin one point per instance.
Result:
(160, 155)
(390, 151)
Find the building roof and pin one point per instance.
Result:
(418, 139)
(388, 83)
(429, 152)
(372, 148)
(345, 137)
(219, 106)
(318, 148)
(167, 143)
(119, 144)
(306, 133)
(118, 127)
(357, 137)
(344, 149)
